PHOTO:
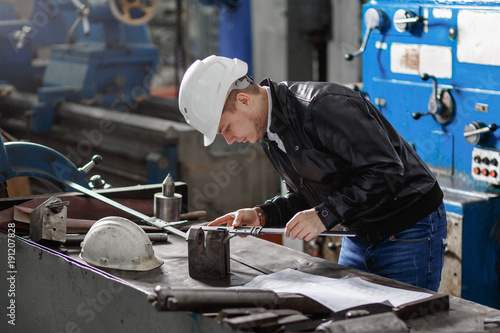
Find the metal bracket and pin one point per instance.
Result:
(48, 221)
(208, 255)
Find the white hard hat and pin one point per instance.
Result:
(116, 242)
(204, 89)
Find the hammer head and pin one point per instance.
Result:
(208, 254)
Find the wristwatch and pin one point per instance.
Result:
(262, 216)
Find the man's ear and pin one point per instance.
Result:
(244, 99)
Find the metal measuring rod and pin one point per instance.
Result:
(257, 231)
(153, 221)
(209, 251)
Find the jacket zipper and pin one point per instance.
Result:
(304, 185)
(301, 184)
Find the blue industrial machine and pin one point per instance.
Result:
(100, 56)
(104, 61)
(76, 78)
(17, 160)
(433, 69)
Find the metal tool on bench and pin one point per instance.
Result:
(48, 221)
(155, 222)
(209, 252)
(168, 204)
(240, 307)
(257, 231)
(217, 299)
(211, 299)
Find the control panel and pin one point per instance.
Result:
(486, 165)
(432, 69)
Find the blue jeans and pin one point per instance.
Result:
(413, 256)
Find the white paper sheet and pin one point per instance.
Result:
(336, 294)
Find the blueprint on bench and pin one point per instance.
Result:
(336, 294)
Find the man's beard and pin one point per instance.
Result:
(260, 128)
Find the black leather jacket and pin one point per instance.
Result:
(344, 159)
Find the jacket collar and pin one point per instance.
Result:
(278, 118)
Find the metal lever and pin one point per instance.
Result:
(415, 19)
(417, 115)
(405, 20)
(22, 36)
(155, 222)
(96, 159)
(490, 128)
(83, 16)
(435, 105)
(374, 19)
(438, 106)
(257, 231)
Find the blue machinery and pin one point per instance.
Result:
(101, 56)
(433, 69)
(49, 165)
(100, 53)
(92, 96)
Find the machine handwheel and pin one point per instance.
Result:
(448, 108)
(133, 12)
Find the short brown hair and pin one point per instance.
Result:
(252, 89)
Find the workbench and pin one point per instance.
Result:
(58, 292)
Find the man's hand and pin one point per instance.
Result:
(245, 216)
(304, 225)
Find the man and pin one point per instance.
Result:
(343, 163)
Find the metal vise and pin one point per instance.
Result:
(208, 254)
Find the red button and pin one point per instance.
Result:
(493, 173)
(477, 171)
(485, 172)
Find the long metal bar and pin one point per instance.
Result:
(155, 222)
(415, 19)
(478, 131)
(256, 231)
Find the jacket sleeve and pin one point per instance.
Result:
(351, 128)
(280, 209)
